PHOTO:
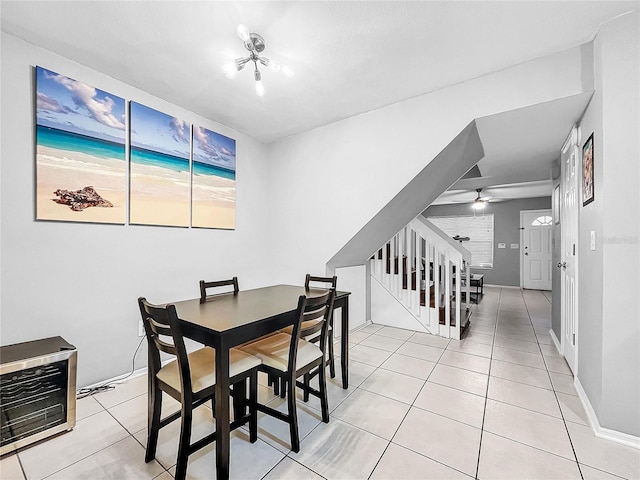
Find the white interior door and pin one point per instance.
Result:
(568, 265)
(537, 228)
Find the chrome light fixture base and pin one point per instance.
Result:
(255, 45)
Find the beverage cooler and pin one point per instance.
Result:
(37, 391)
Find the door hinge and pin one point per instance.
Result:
(574, 249)
(573, 340)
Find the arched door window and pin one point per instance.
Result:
(542, 221)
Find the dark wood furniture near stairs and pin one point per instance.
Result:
(190, 379)
(230, 320)
(286, 357)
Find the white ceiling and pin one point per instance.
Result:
(350, 57)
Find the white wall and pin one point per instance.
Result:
(81, 281)
(337, 177)
(354, 280)
(608, 328)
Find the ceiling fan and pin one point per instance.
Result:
(480, 202)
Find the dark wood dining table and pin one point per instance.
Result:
(228, 320)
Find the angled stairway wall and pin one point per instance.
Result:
(358, 165)
(354, 167)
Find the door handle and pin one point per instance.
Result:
(562, 265)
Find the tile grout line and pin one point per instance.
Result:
(405, 417)
(486, 397)
(555, 394)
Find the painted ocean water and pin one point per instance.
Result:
(142, 156)
(205, 169)
(62, 140)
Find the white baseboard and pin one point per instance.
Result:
(556, 342)
(121, 378)
(501, 286)
(599, 431)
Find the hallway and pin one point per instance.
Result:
(498, 404)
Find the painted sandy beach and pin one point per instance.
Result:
(159, 195)
(159, 156)
(69, 170)
(214, 202)
(214, 180)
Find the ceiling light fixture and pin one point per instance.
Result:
(478, 203)
(254, 43)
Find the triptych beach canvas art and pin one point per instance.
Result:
(80, 143)
(177, 175)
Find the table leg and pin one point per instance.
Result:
(222, 415)
(344, 342)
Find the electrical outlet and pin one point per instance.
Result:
(140, 328)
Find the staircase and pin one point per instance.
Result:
(418, 268)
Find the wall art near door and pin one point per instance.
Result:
(81, 169)
(214, 180)
(588, 190)
(160, 178)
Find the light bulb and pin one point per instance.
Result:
(478, 205)
(270, 64)
(259, 88)
(244, 34)
(287, 71)
(230, 69)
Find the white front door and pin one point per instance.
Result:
(537, 228)
(568, 265)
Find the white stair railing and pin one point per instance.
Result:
(418, 266)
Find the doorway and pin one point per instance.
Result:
(535, 252)
(568, 265)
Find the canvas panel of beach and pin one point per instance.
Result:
(160, 189)
(214, 180)
(81, 173)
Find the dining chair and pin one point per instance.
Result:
(204, 286)
(190, 379)
(324, 282)
(288, 357)
(307, 327)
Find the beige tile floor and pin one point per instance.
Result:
(498, 404)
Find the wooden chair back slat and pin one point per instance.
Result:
(311, 308)
(160, 322)
(329, 282)
(204, 286)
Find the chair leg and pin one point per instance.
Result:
(332, 361)
(283, 388)
(154, 409)
(293, 415)
(239, 395)
(253, 412)
(276, 384)
(183, 445)
(305, 392)
(324, 403)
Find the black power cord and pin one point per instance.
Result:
(86, 392)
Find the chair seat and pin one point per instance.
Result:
(202, 366)
(274, 351)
